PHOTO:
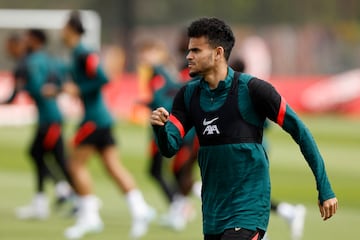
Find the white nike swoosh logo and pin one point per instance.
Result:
(237, 229)
(205, 123)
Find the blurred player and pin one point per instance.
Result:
(36, 72)
(294, 215)
(162, 89)
(95, 136)
(163, 84)
(228, 110)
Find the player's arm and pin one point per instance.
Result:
(20, 75)
(170, 129)
(10, 98)
(17, 88)
(56, 79)
(270, 104)
(94, 71)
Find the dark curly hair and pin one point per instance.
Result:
(216, 31)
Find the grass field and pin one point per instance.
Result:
(338, 139)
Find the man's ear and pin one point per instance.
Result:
(219, 51)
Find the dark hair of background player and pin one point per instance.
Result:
(38, 34)
(75, 23)
(238, 64)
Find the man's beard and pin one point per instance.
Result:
(194, 74)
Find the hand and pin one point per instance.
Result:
(71, 89)
(159, 117)
(49, 90)
(328, 208)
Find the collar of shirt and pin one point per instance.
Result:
(36, 52)
(223, 84)
(78, 49)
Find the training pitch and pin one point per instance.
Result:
(292, 181)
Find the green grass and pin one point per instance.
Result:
(292, 181)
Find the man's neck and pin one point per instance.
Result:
(74, 42)
(216, 75)
(37, 48)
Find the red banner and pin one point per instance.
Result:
(307, 94)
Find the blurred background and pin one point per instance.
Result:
(310, 51)
(307, 37)
(300, 44)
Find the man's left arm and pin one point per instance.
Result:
(270, 104)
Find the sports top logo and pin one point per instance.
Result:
(210, 129)
(205, 123)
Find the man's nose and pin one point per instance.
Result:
(189, 56)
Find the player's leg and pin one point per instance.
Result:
(53, 142)
(88, 218)
(182, 169)
(293, 214)
(181, 210)
(39, 207)
(115, 168)
(78, 169)
(83, 147)
(274, 206)
(156, 171)
(37, 153)
(184, 162)
(196, 187)
(141, 213)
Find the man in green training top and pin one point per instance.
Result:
(228, 110)
(38, 73)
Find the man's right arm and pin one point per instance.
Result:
(170, 129)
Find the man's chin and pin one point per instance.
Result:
(194, 74)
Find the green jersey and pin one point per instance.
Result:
(40, 69)
(234, 167)
(89, 76)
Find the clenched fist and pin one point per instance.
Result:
(159, 117)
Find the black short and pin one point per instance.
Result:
(237, 234)
(89, 134)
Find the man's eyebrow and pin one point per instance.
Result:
(194, 49)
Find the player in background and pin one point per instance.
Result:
(163, 84)
(228, 110)
(294, 215)
(161, 88)
(36, 72)
(95, 136)
(16, 50)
